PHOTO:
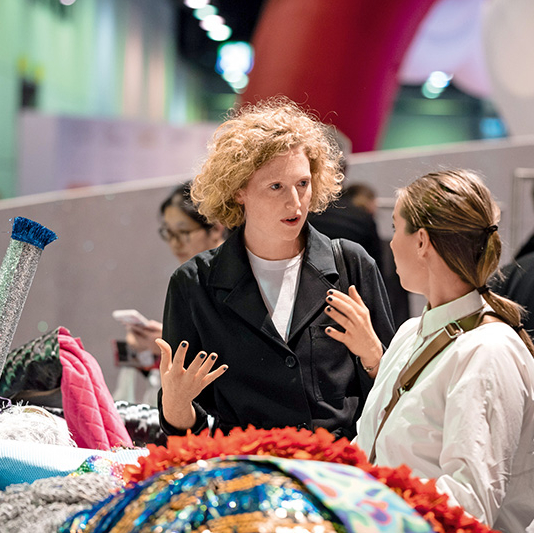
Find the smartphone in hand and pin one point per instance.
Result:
(130, 318)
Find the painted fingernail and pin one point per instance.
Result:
(225, 367)
(213, 356)
(329, 308)
(329, 299)
(184, 343)
(330, 292)
(202, 355)
(328, 329)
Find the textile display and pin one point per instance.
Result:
(26, 461)
(88, 406)
(17, 271)
(34, 366)
(55, 371)
(215, 482)
(253, 494)
(22, 505)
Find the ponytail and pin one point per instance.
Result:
(511, 313)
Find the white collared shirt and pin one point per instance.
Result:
(469, 419)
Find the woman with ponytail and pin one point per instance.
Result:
(454, 393)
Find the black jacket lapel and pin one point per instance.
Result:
(318, 274)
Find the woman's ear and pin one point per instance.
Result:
(423, 242)
(240, 196)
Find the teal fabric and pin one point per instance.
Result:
(26, 461)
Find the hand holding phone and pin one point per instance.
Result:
(130, 318)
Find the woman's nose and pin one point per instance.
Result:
(293, 199)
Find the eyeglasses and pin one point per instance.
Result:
(182, 236)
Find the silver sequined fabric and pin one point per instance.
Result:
(16, 276)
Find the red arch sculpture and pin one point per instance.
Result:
(340, 57)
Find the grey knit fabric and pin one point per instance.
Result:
(45, 504)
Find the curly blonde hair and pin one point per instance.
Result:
(253, 136)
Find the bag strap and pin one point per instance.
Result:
(409, 375)
(340, 265)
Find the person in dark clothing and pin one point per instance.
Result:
(348, 218)
(516, 282)
(353, 217)
(528, 246)
(256, 303)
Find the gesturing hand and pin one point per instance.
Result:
(350, 312)
(180, 386)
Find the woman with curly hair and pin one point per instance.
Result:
(454, 394)
(256, 303)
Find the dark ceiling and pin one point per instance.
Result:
(193, 43)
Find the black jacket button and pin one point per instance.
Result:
(291, 361)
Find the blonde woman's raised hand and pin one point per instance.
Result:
(180, 386)
(353, 316)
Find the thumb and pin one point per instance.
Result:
(166, 354)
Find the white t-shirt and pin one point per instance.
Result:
(469, 419)
(278, 283)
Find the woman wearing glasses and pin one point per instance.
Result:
(255, 304)
(186, 231)
(187, 234)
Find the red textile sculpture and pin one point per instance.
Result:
(340, 58)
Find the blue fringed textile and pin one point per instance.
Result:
(31, 232)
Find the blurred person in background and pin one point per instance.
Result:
(187, 233)
(352, 217)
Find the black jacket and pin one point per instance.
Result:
(213, 302)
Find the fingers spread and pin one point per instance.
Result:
(215, 374)
(197, 363)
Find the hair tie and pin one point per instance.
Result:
(490, 229)
(483, 289)
(518, 327)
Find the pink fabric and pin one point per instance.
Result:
(88, 406)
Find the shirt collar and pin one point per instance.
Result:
(435, 319)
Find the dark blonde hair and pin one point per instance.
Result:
(251, 137)
(457, 210)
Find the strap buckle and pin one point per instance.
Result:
(454, 330)
(401, 390)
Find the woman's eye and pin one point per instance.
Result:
(304, 183)
(274, 187)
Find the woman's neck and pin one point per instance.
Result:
(281, 250)
(445, 286)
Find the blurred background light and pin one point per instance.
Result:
(211, 22)
(220, 33)
(196, 4)
(202, 12)
(235, 56)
